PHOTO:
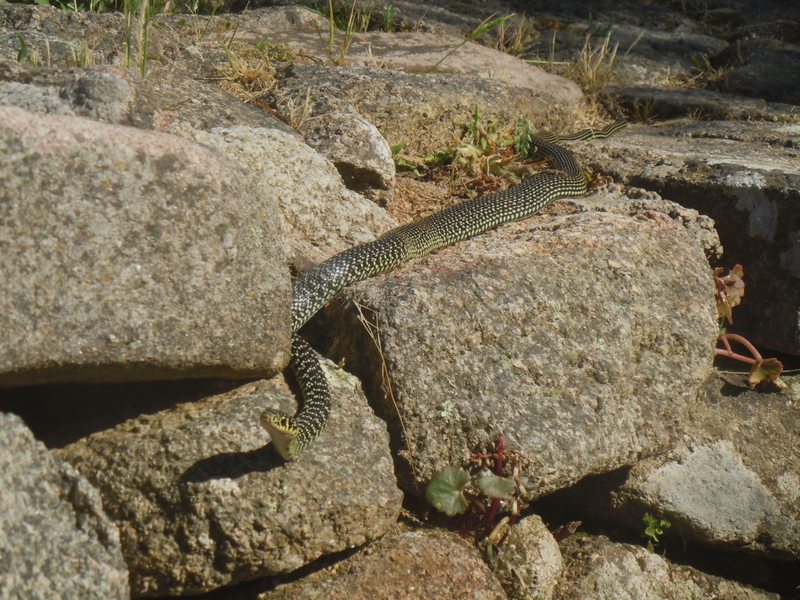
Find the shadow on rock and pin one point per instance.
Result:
(232, 465)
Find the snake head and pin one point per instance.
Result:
(283, 433)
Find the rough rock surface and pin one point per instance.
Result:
(147, 272)
(417, 52)
(657, 49)
(357, 149)
(665, 103)
(174, 93)
(422, 112)
(746, 176)
(200, 502)
(483, 338)
(764, 67)
(734, 480)
(55, 540)
(578, 333)
(599, 569)
(405, 565)
(103, 93)
(320, 217)
(529, 561)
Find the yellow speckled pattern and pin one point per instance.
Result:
(316, 286)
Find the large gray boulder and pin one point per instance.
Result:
(319, 215)
(746, 176)
(733, 482)
(597, 568)
(55, 540)
(405, 564)
(132, 255)
(582, 338)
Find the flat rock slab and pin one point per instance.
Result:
(598, 568)
(580, 337)
(403, 565)
(764, 67)
(200, 502)
(133, 255)
(655, 46)
(734, 482)
(746, 176)
(55, 540)
(180, 86)
(665, 103)
(418, 52)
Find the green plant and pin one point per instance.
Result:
(484, 158)
(481, 496)
(137, 31)
(705, 73)
(523, 134)
(515, 37)
(31, 56)
(80, 5)
(349, 21)
(22, 55)
(82, 56)
(388, 16)
(653, 529)
(644, 110)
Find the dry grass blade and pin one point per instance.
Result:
(297, 113)
(374, 333)
(248, 75)
(516, 38)
(595, 64)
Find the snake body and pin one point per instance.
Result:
(316, 286)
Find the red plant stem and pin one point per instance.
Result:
(729, 353)
(750, 348)
(500, 450)
(734, 356)
(491, 514)
(494, 506)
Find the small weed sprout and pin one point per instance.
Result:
(515, 37)
(22, 55)
(349, 22)
(248, 74)
(653, 530)
(388, 17)
(491, 489)
(82, 56)
(137, 33)
(298, 113)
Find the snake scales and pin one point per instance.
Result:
(317, 285)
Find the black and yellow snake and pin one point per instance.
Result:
(317, 285)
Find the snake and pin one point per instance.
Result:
(313, 288)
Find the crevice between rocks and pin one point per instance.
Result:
(359, 356)
(590, 501)
(60, 414)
